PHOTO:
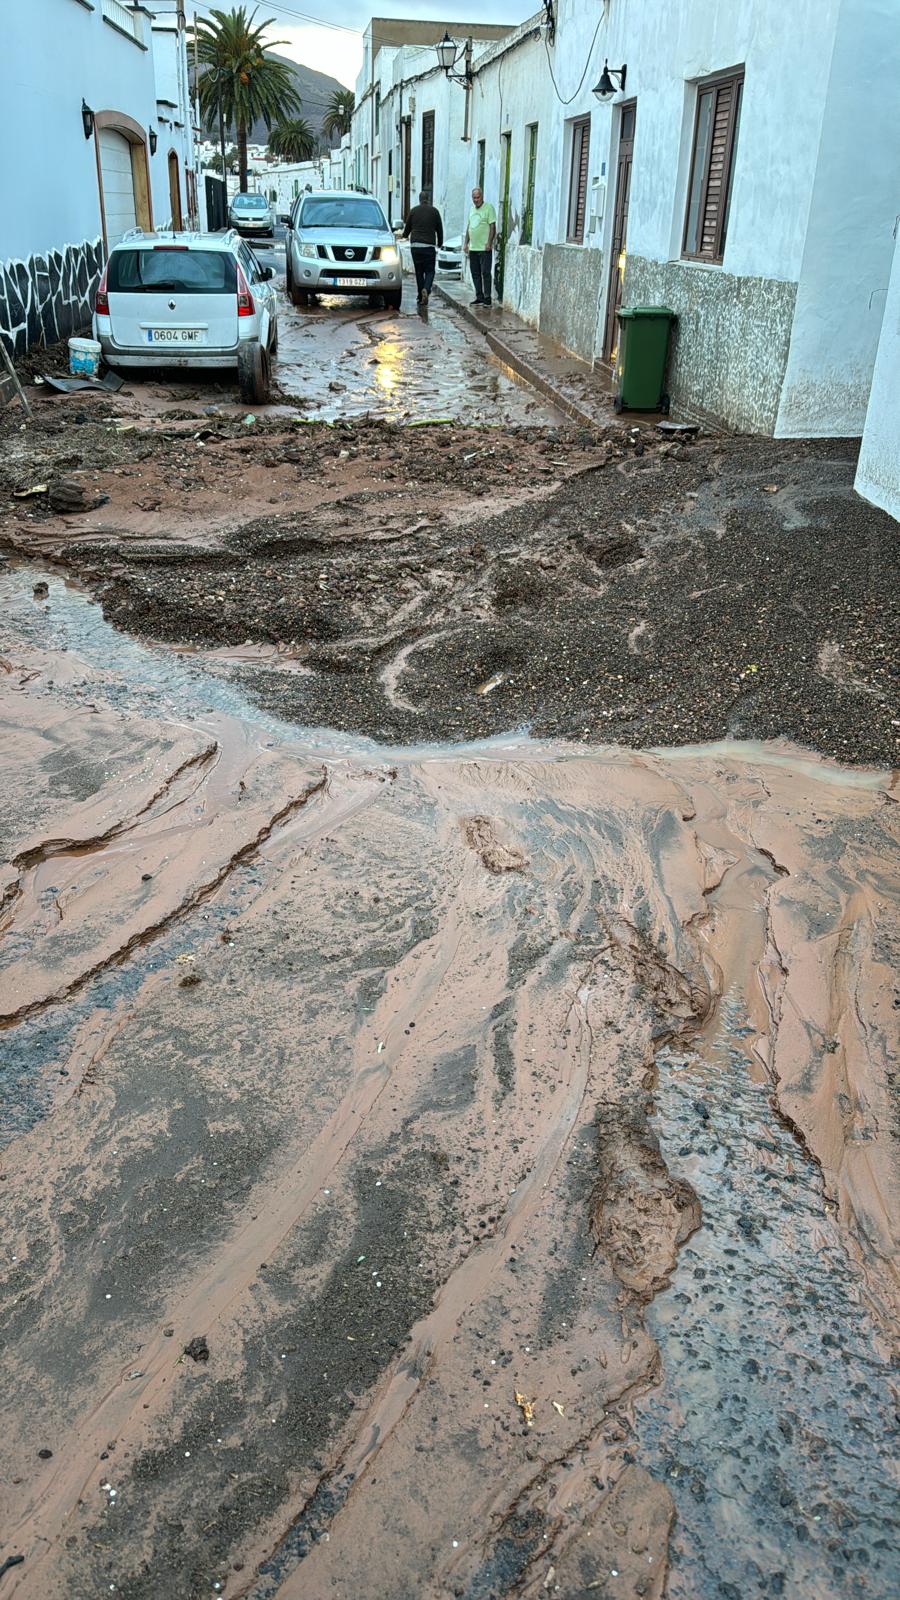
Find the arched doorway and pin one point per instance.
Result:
(175, 193)
(123, 175)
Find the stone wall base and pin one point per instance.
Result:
(48, 297)
(730, 346)
(571, 285)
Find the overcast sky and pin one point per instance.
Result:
(339, 51)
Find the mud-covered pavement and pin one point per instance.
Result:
(433, 1168)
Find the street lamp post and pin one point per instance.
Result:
(448, 57)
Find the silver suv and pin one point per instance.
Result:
(339, 242)
(188, 300)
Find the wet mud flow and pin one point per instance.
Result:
(445, 1170)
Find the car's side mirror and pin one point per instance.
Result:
(266, 273)
(288, 223)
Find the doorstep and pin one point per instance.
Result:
(581, 392)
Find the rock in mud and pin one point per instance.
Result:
(197, 1349)
(67, 494)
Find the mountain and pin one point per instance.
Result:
(315, 90)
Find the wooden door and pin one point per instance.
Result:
(427, 183)
(175, 193)
(618, 243)
(406, 161)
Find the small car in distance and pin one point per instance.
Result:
(188, 300)
(449, 263)
(339, 242)
(251, 214)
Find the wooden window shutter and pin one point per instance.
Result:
(711, 169)
(714, 199)
(578, 177)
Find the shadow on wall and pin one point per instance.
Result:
(48, 297)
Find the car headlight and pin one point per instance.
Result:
(308, 250)
(390, 254)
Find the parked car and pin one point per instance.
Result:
(339, 242)
(449, 262)
(188, 300)
(251, 214)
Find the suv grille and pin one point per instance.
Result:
(343, 252)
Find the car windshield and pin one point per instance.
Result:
(342, 213)
(173, 269)
(250, 202)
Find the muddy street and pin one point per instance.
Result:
(448, 1035)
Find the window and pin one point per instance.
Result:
(716, 127)
(531, 133)
(428, 153)
(341, 212)
(173, 268)
(377, 110)
(578, 174)
(479, 180)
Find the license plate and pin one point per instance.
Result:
(351, 283)
(176, 336)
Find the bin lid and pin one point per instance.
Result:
(627, 312)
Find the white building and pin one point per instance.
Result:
(744, 171)
(878, 471)
(409, 119)
(97, 91)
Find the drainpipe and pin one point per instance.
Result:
(467, 132)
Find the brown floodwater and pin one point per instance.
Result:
(515, 1122)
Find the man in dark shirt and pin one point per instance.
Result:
(425, 232)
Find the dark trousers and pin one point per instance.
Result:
(424, 257)
(480, 263)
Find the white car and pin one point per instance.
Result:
(449, 263)
(251, 214)
(188, 300)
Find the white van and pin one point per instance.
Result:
(188, 300)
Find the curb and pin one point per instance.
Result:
(522, 368)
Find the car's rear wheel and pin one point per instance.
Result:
(253, 373)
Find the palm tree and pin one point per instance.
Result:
(293, 140)
(238, 73)
(339, 114)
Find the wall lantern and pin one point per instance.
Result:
(153, 141)
(448, 56)
(87, 119)
(605, 89)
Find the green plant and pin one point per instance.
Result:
(236, 71)
(293, 140)
(339, 114)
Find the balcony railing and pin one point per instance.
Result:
(129, 22)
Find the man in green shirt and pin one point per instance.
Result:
(478, 244)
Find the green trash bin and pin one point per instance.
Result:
(641, 359)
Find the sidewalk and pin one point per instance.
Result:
(580, 392)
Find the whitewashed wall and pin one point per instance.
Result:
(878, 472)
(56, 53)
(511, 90)
(849, 238)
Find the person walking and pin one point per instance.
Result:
(478, 245)
(425, 232)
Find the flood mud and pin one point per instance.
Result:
(510, 1123)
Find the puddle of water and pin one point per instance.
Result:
(399, 366)
(776, 1429)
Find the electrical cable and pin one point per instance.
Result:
(586, 66)
(302, 16)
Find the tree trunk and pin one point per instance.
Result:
(242, 155)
